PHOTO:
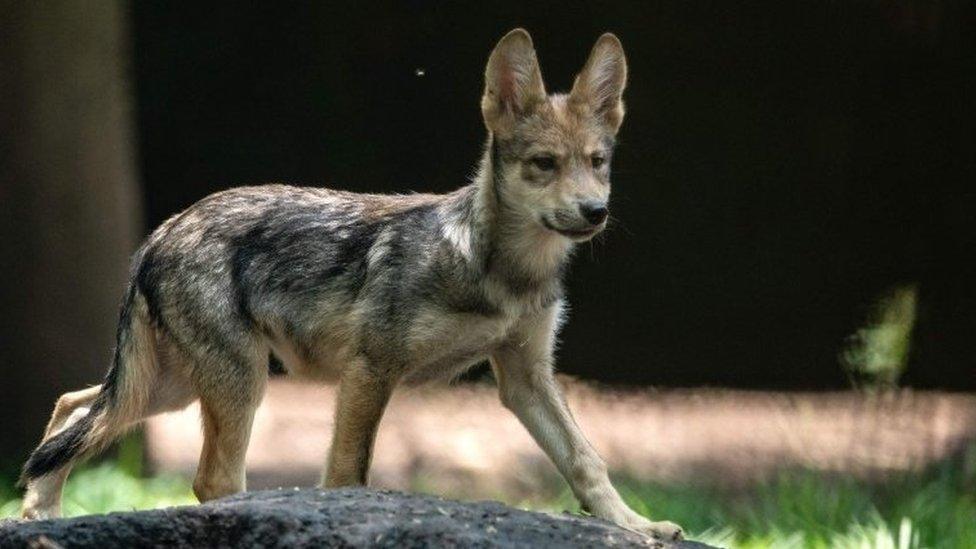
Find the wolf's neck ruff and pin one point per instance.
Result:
(509, 246)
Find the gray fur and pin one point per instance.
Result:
(248, 268)
(375, 290)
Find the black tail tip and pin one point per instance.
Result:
(57, 451)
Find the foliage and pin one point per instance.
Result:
(108, 487)
(818, 511)
(877, 354)
(813, 510)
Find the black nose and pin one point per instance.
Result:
(594, 212)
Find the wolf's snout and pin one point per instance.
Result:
(594, 212)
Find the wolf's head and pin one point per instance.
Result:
(552, 152)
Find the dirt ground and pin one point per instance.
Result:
(460, 441)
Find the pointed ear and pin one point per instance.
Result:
(600, 85)
(513, 82)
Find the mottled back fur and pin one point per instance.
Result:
(421, 285)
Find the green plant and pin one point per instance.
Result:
(875, 356)
(108, 487)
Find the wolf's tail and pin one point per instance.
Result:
(119, 404)
(66, 446)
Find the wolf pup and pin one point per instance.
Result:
(374, 289)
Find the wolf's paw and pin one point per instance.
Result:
(39, 513)
(663, 530)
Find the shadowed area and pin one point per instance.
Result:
(328, 518)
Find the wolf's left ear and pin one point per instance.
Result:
(513, 82)
(600, 85)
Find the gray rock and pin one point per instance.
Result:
(326, 518)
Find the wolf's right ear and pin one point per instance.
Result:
(513, 82)
(600, 85)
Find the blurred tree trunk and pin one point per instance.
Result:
(69, 203)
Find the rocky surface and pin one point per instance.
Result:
(327, 518)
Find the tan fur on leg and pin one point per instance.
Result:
(527, 387)
(66, 405)
(43, 496)
(362, 399)
(227, 416)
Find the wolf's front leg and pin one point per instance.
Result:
(363, 395)
(528, 388)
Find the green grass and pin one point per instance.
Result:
(802, 509)
(105, 488)
(117, 485)
(811, 510)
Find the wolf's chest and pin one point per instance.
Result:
(444, 344)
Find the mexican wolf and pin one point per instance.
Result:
(374, 290)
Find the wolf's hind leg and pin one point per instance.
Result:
(84, 422)
(363, 396)
(227, 406)
(66, 407)
(43, 497)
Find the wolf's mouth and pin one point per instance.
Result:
(575, 234)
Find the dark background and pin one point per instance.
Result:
(779, 167)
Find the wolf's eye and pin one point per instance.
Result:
(544, 163)
(597, 160)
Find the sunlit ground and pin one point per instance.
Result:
(936, 509)
(735, 468)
